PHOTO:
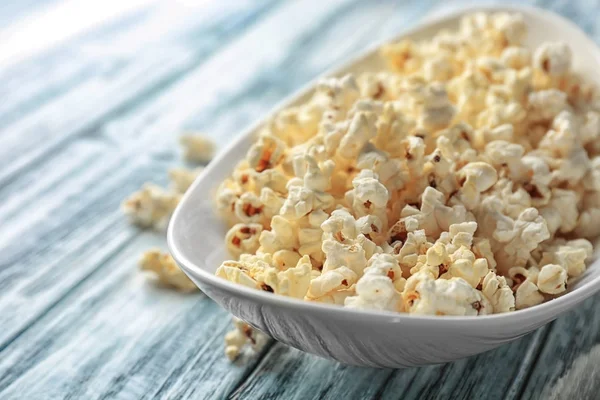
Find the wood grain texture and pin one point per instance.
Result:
(88, 121)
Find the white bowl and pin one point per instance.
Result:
(377, 339)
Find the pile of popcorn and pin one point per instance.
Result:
(462, 180)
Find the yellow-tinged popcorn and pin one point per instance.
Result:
(516, 57)
(151, 207)
(497, 291)
(182, 178)
(552, 279)
(378, 288)
(553, 58)
(242, 336)
(461, 180)
(527, 295)
(331, 281)
(166, 270)
(428, 296)
(243, 238)
(197, 148)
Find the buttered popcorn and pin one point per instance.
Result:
(461, 180)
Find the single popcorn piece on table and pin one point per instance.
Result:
(461, 180)
(151, 207)
(166, 270)
(197, 148)
(243, 336)
(182, 178)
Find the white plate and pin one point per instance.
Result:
(381, 339)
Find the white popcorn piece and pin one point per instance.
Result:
(478, 177)
(166, 270)
(497, 291)
(334, 280)
(570, 255)
(552, 279)
(340, 93)
(265, 154)
(512, 27)
(527, 295)
(151, 207)
(438, 111)
(438, 69)
(544, 105)
(428, 296)
(369, 196)
(561, 213)
(553, 59)
(242, 336)
(197, 148)
(376, 289)
(282, 236)
(516, 57)
(292, 282)
(339, 254)
(182, 178)
(362, 129)
(243, 238)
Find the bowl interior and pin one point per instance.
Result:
(196, 233)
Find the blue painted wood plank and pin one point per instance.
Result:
(156, 66)
(287, 373)
(119, 336)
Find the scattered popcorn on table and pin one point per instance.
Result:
(463, 180)
(182, 178)
(197, 148)
(151, 207)
(241, 336)
(166, 270)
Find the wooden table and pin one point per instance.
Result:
(93, 97)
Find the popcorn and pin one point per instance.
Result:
(569, 255)
(497, 291)
(527, 295)
(552, 279)
(292, 282)
(243, 238)
(151, 207)
(511, 26)
(553, 59)
(361, 130)
(241, 336)
(376, 289)
(428, 296)
(369, 196)
(182, 178)
(478, 177)
(335, 280)
(516, 57)
(266, 153)
(438, 69)
(461, 180)
(197, 148)
(438, 111)
(166, 270)
(546, 104)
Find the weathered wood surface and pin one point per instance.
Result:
(87, 119)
